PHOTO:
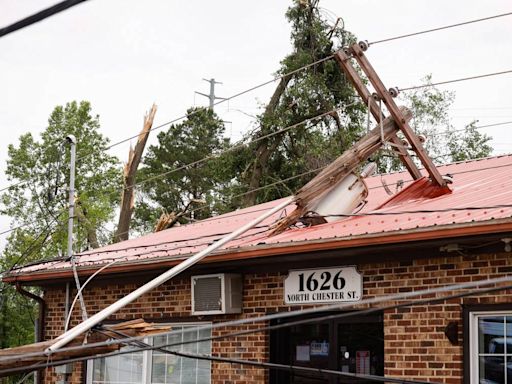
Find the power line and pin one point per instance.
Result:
(456, 80)
(440, 28)
(41, 15)
(476, 287)
(288, 74)
(268, 365)
(214, 237)
(241, 93)
(476, 127)
(240, 145)
(211, 237)
(235, 147)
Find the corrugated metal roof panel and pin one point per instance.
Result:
(478, 183)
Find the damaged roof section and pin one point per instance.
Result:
(412, 210)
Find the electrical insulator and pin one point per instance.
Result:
(393, 91)
(363, 44)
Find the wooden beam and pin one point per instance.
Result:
(344, 62)
(397, 116)
(22, 358)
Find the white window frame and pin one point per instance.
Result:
(474, 355)
(147, 355)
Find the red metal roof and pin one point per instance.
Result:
(478, 183)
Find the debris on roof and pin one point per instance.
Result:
(477, 183)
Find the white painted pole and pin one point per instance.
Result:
(66, 337)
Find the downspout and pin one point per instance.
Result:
(39, 326)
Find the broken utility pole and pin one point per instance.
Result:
(310, 194)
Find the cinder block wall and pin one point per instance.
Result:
(415, 344)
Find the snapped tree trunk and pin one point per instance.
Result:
(265, 147)
(130, 169)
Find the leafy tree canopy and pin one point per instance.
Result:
(199, 136)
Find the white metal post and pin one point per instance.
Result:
(71, 140)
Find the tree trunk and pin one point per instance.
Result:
(92, 237)
(130, 169)
(265, 147)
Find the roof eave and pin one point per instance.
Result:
(265, 250)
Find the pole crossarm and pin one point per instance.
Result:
(394, 111)
(343, 61)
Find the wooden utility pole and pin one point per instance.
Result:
(310, 194)
(357, 52)
(344, 62)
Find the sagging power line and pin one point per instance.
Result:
(475, 288)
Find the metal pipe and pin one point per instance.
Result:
(66, 302)
(66, 337)
(72, 144)
(68, 316)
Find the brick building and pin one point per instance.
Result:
(401, 242)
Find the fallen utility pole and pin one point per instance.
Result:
(68, 336)
(386, 96)
(310, 194)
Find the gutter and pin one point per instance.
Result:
(276, 249)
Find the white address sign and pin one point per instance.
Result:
(323, 285)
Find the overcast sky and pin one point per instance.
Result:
(123, 55)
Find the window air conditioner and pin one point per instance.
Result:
(216, 294)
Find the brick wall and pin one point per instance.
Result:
(415, 344)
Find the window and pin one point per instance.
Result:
(490, 350)
(156, 367)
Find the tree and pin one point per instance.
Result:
(305, 94)
(468, 144)
(38, 200)
(199, 136)
(444, 144)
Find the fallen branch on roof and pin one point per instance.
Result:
(20, 356)
(310, 194)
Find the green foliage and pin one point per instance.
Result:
(444, 144)
(38, 165)
(468, 144)
(200, 135)
(33, 166)
(319, 89)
